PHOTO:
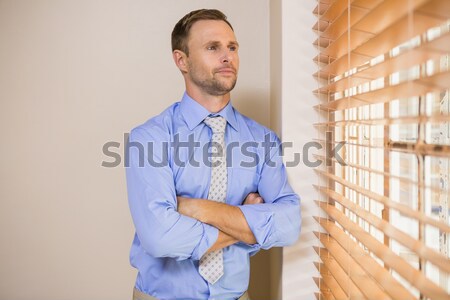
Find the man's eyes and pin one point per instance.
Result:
(213, 48)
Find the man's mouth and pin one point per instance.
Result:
(226, 71)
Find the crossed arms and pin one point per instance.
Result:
(228, 219)
(171, 226)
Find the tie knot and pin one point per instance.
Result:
(217, 124)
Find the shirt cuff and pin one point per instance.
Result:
(210, 235)
(251, 249)
(261, 223)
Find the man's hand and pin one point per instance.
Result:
(227, 218)
(253, 198)
(192, 207)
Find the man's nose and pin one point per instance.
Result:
(227, 56)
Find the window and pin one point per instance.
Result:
(384, 79)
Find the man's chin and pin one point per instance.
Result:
(219, 88)
(228, 86)
(220, 92)
(226, 90)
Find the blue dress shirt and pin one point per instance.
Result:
(166, 158)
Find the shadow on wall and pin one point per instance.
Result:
(253, 104)
(265, 278)
(265, 275)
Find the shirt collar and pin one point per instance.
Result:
(194, 113)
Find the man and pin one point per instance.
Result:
(206, 185)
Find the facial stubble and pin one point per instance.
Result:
(213, 86)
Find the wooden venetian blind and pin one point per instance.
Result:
(383, 99)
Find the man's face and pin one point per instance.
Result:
(213, 61)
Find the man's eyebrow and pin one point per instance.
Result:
(215, 43)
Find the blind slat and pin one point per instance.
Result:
(404, 180)
(427, 51)
(335, 10)
(380, 274)
(432, 119)
(322, 42)
(394, 16)
(321, 58)
(331, 282)
(321, 8)
(373, 55)
(404, 147)
(338, 48)
(380, 44)
(350, 290)
(421, 86)
(407, 211)
(388, 13)
(355, 273)
(403, 268)
(320, 25)
(324, 289)
(339, 26)
(416, 246)
(328, 2)
(328, 296)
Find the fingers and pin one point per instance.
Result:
(250, 197)
(259, 199)
(253, 198)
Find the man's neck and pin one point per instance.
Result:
(212, 103)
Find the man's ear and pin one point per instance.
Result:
(180, 59)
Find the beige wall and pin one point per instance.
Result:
(298, 116)
(74, 75)
(275, 122)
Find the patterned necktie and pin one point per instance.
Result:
(211, 264)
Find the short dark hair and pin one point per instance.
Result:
(180, 32)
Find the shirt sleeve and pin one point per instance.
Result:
(161, 230)
(277, 221)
